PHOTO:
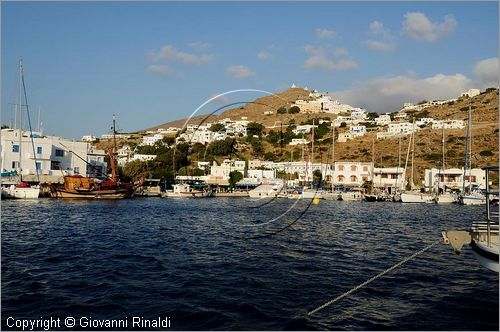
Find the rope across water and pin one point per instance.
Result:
(352, 290)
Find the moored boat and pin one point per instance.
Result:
(20, 191)
(416, 197)
(184, 190)
(483, 236)
(79, 187)
(445, 198)
(265, 191)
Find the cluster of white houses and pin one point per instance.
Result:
(344, 173)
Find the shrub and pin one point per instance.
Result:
(486, 153)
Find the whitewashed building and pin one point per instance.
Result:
(383, 120)
(357, 131)
(470, 93)
(298, 141)
(344, 137)
(97, 167)
(352, 173)
(151, 140)
(89, 138)
(448, 124)
(389, 177)
(401, 128)
(453, 178)
(51, 155)
(424, 121)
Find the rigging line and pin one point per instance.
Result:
(94, 167)
(31, 131)
(352, 290)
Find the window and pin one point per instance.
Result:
(15, 148)
(354, 178)
(365, 168)
(39, 150)
(353, 168)
(341, 167)
(59, 153)
(340, 178)
(38, 166)
(365, 179)
(15, 164)
(55, 165)
(76, 170)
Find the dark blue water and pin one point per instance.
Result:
(188, 260)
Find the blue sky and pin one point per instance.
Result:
(150, 63)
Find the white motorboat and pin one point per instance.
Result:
(266, 191)
(311, 193)
(184, 190)
(20, 191)
(351, 196)
(331, 196)
(483, 235)
(416, 197)
(474, 198)
(445, 198)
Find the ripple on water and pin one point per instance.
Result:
(183, 259)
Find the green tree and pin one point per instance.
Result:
(317, 176)
(255, 128)
(216, 127)
(222, 148)
(294, 110)
(136, 169)
(234, 177)
(281, 110)
(273, 137)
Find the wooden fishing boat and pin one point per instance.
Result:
(79, 187)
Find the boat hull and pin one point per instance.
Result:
(20, 193)
(487, 257)
(472, 200)
(415, 198)
(98, 194)
(351, 196)
(445, 199)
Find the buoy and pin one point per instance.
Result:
(315, 200)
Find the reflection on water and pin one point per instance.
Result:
(185, 259)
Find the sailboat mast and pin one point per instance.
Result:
(312, 145)
(20, 115)
(466, 151)
(112, 154)
(470, 149)
(333, 153)
(412, 155)
(399, 162)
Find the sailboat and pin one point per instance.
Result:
(471, 197)
(443, 197)
(21, 190)
(413, 196)
(79, 187)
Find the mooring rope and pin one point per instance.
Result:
(352, 290)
